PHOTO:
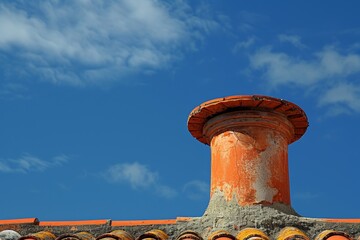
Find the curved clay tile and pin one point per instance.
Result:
(221, 235)
(76, 236)
(251, 234)
(333, 235)
(289, 233)
(116, 235)
(155, 234)
(188, 234)
(43, 235)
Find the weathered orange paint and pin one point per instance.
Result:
(201, 114)
(249, 156)
(249, 137)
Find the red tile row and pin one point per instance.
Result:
(35, 221)
(287, 233)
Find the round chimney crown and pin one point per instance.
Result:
(207, 110)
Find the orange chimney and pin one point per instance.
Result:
(249, 138)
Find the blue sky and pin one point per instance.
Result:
(94, 99)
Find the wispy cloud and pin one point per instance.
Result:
(280, 68)
(243, 44)
(343, 97)
(86, 42)
(328, 72)
(29, 163)
(139, 177)
(13, 91)
(250, 20)
(196, 190)
(292, 39)
(136, 174)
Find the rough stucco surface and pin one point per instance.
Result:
(271, 219)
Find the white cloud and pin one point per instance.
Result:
(13, 91)
(331, 73)
(166, 191)
(28, 163)
(345, 98)
(250, 20)
(78, 42)
(281, 69)
(4, 167)
(244, 44)
(138, 176)
(293, 39)
(196, 189)
(60, 160)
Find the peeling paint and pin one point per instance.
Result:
(248, 155)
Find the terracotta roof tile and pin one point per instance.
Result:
(189, 235)
(19, 221)
(142, 222)
(289, 233)
(286, 233)
(155, 234)
(116, 235)
(76, 236)
(333, 235)
(251, 234)
(73, 223)
(221, 235)
(43, 235)
(340, 220)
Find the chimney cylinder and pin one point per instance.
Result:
(249, 138)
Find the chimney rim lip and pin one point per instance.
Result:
(202, 113)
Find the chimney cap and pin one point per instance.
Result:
(202, 113)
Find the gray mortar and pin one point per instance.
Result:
(229, 216)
